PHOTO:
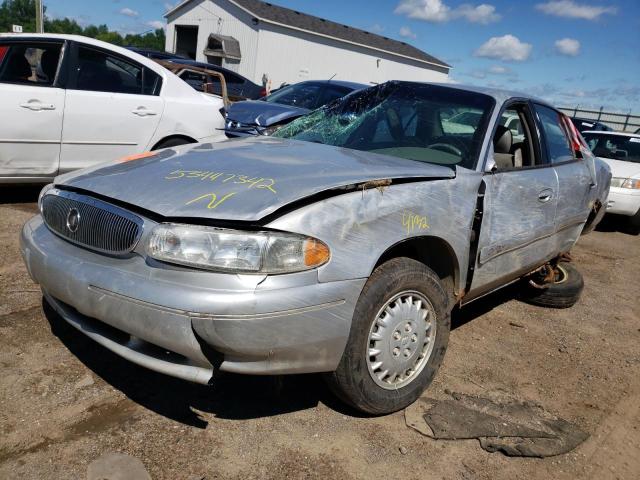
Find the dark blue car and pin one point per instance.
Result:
(266, 115)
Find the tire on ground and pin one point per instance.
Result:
(564, 293)
(352, 381)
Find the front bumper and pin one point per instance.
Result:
(188, 323)
(623, 201)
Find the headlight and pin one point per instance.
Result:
(617, 182)
(235, 251)
(633, 183)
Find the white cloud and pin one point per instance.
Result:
(428, 10)
(506, 48)
(571, 9)
(127, 12)
(155, 24)
(499, 70)
(406, 32)
(436, 11)
(568, 46)
(483, 14)
(376, 28)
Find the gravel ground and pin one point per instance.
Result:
(64, 401)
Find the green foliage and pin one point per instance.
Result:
(18, 12)
(22, 12)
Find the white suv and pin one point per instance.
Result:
(69, 102)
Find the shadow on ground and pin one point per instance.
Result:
(11, 194)
(233, 397)
(616, 223)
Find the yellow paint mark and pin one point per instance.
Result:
(412, 221)
(213, 199)
(255, 182)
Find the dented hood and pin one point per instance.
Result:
(240, 179)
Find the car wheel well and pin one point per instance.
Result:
(435, 253)
(170, 138)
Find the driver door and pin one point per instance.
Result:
(520, 205)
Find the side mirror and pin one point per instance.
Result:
(490, 166)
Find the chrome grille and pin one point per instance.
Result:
(90, 222)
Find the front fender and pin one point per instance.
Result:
(361, 225)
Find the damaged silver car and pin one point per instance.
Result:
(339, 245)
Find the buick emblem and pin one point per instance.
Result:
(73, 220)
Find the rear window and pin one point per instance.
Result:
(303, 95)
(29, 63)
(616, 147)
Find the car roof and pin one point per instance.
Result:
(619, 134)
(500, 95)
(87, 41)
(588, 120)
(342, 83)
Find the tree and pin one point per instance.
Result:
(18, 12)
(22, 12)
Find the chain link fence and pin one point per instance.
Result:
(622, 122)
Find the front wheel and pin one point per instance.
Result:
(399, 335)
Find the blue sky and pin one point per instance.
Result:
(571, 52)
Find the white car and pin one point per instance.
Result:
(622, 152)
(69, 102)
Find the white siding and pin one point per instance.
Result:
(220, 17)
(288, 55)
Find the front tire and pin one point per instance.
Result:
(399, 335)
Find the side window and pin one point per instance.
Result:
(30, 64)
(558, 144)
(151, 82)
(512, 140)
(101, 72)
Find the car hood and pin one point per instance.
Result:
(264, 114)
(622, 169)
(242, 180)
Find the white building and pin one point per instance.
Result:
(255, 38)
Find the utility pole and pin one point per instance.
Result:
(39, 17)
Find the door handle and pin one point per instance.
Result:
(545, 195)
(36, 106)
(143, 112)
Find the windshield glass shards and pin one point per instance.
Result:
(401, 119)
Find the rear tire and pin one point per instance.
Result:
(402, 314)
(563, 293)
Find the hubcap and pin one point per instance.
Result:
(401, 340)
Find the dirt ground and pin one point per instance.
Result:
(65, 401)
